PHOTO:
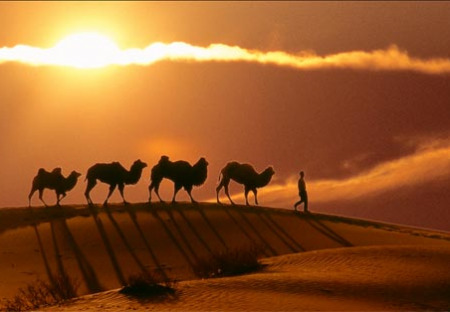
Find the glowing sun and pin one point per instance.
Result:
(86, 50)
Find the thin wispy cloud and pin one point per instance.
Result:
(82, 56)
(429, 163)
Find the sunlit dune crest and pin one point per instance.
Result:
(92, 50)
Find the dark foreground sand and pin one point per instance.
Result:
(314, 262)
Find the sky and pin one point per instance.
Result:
(356, 94)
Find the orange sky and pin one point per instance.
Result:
(368, 125)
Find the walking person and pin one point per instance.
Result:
(302, 193)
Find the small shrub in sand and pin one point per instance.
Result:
(229, 263)
(147, 285)
(39, 293)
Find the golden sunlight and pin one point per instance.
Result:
(85, 50)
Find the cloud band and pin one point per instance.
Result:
(390, 59)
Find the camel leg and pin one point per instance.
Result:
(60, 198)
(228, 194)
(218, 188)
(189, 190)
(41, 192)
(150, 189)
(57, 198)
(121, 187)
(176, 188)
(255, 192)
(31, 195)
(246, 195)
(157, 191)
(111, 190)
(89, 187)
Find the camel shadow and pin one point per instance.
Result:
(212, 227)
(125, 241)
(315, 222)
(172, 237)
(194, 230)
(107, 244)
(159, 267)
(91, 281)
(258, 234)
(182, 235)
(280, 232)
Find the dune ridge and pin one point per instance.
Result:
(313, 261)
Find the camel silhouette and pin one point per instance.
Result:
(115, 175)
(53, 180)
(181, 173)
(243, 174)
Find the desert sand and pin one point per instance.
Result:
(312, 261)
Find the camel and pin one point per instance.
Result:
(53, 180)
(243, 174)
(181, 173)
(115, 175)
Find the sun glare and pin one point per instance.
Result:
(85, 50)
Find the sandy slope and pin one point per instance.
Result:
(349, 264)
(357, 278)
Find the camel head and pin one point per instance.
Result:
(138, 164)
(202, 161)
(269, 171)
(75, 174)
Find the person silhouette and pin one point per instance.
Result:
(302, 193)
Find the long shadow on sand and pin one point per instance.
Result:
(284, 234)
(212, 227)
(194, 230)
(261, 238)
(88, 273)
(155, 214)
(108, 246)
(125, 241)
(44, 256)
(240, 227)
(315, 222)
(182, 235)
(159, 267)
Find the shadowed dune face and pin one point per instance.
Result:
(102, 247)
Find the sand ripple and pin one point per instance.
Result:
(357, 278)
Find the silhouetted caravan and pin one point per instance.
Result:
(243, 174)
(113, 174)
(55, 181)
(181, 173)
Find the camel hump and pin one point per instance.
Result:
(42, 171)
(164, 158)
(57, 171)
(234, 166)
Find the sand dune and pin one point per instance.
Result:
(314, 262)
(358, 278)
